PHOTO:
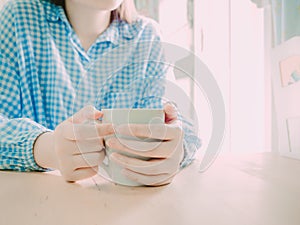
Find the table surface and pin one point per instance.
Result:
(244, 190)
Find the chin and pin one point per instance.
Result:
(100, 4)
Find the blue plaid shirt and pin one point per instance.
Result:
(46, 76)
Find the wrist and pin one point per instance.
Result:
(44, 152)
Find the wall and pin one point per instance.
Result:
(230, 40)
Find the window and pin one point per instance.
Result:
(228, 36)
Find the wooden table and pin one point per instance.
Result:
(243, 190)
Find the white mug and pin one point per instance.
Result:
(127, 116)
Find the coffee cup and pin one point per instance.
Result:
(109, 168)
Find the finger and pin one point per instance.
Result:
(151, 167)
(88, 160)
(165, 182)
(144, 149)
(171, 114)
(87, 131)
(87, 113)
(105, 129)
(141, 145)
(154, 131)
(80, 174)
(147, 180)
(88, 146)
(80, 147)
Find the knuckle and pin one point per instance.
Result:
(66, 130)
(109, 128)
(110, 142)
(105, 129)
(89, 108)
(59, 130)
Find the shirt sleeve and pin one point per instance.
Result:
(17, 134)
(153, 96)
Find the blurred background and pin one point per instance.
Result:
(248, 45)
(229, 37)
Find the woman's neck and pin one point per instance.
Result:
(88, 23)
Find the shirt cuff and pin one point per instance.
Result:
(16, 144)
(191, 144)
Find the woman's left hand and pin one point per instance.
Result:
(165, 154)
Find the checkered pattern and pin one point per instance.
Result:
(46, 76)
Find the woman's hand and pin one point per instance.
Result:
(166, 153)
(76, 146)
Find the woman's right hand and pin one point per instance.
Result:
(76, 146)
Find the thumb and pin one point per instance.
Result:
(87, 113)
(170, 113)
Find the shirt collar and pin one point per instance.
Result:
(111, 34)
(119, 30)
(129, 31)
(51, 11)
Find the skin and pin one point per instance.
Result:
(76, 148)
(90, 18)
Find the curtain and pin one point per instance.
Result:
(286, 18)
